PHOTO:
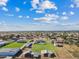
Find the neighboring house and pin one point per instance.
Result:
(15, 39)
(58, 42)
(40, 42)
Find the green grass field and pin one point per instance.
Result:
(39, 47)
(14, 45)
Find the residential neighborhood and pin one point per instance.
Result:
(39, 45)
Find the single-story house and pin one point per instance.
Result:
(58, 42)
(48, 53)
(40, 42)
(36, 55)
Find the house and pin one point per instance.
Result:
(21, 41)
(45, 53)
(58, 42)
(36, 55)
(15, 39)
(48, 53)
(27, 54)
(40, 42)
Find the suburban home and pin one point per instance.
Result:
(58, 42)
(40, 42)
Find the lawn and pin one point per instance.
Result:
(14, 45)
(39, 47)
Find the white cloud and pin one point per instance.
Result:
(72, 5)
(64, 17)
(55, 22)
(43, 19)
(20, 16)
(48, 18)
(24, 2)
(47, 5)
(64, 13)
(39, 11)
(0, 23)
(17, 9)
(34, 3)
(27, 16)
(4, 9)
(9, 14)
(3, 2)
(51, 18)
(43, 5)
(72, 13)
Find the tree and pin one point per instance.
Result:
(11, 36)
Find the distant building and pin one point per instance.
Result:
(15, 39)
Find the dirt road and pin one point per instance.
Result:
(62, 53)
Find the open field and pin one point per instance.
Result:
(13, 45)
(74, 50)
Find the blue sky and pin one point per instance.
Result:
(39, 15)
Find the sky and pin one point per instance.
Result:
(39, 15)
